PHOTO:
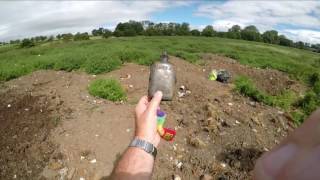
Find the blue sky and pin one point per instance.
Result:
(298, 20)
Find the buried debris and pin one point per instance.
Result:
(221, 75)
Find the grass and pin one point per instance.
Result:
(103, 55)
(109, 89)
(299, 108)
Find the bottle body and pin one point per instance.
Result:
(162, 78)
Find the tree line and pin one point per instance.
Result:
(148, 28)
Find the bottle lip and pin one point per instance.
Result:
(164, 57)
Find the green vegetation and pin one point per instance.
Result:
(108, 89)
(298, 107)
(104, 55)
(246, 86)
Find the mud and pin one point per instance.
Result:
(66, 133)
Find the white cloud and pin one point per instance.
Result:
(265, 15)
(302, 35)
(29, 18)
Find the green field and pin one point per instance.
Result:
(103, 55)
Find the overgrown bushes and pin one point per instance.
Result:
(108, 89)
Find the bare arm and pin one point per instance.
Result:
(135, 163)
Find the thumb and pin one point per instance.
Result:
(155, 102)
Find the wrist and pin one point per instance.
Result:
(149, 139)
(144, 145)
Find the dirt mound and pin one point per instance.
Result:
(269, 80)
(220, 134)
(25, 148)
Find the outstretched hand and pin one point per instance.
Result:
(297, 157)
(146, 119)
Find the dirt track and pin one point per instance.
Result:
(219, 133)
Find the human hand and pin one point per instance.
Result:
(146, 119)
(297, 157)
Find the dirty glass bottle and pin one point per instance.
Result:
(162, 78)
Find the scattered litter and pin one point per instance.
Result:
(93, 161)
(9, 105)
(176, 177)
(127, 76)
(223, 165)
(183, 91)
(82, 157)
(221, 75)
(179, 165)
(63, 172)
(174, 147)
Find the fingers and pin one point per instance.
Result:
(155, 102)
(142, 105)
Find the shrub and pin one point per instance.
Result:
(309, 103)
(100, 65)
(27, 43)
(108, 89)
(69, 63)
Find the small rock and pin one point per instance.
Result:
(182, 88)
(82, 178)
(9, 105)
(55, 165)
(223, 165)
(63, 172)
(181, 94)
(179, 165)
(93, 161)
(130, 86)
(71, 173)
(237, 122)
(196, 142)
(14, 176)
(128, 130)
(206, 177)
(254, 130)
(82, 157)
(14, 137)
(97, 135)
(230, 104)
(188, 92)
(26, 109)
(252, 103)
(176, 177)
(265, 149)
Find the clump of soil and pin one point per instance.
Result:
(25, 147)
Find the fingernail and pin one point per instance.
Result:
(158, 93)
(275, 161)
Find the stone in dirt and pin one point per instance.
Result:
(206, 177)
(196, 142)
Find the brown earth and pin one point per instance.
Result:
(68, 134)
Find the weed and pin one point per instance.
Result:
(108, 89)
(100, 65)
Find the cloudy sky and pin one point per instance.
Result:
(298, 20)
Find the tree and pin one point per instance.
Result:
(27, 43)
(106, 33)
(283, 41)
(50, 38)
(195, 32)
(67, 37)
(183, 29)
(270, 37)
(98, 32)
(234, 32)
(208, 31)
(131, 28)
(81, 36)
(59, 36)
(250, 33)
(299, 45)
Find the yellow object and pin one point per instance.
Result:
(213, 75)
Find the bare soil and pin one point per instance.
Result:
(67, 134)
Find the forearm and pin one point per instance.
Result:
(134, 164)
